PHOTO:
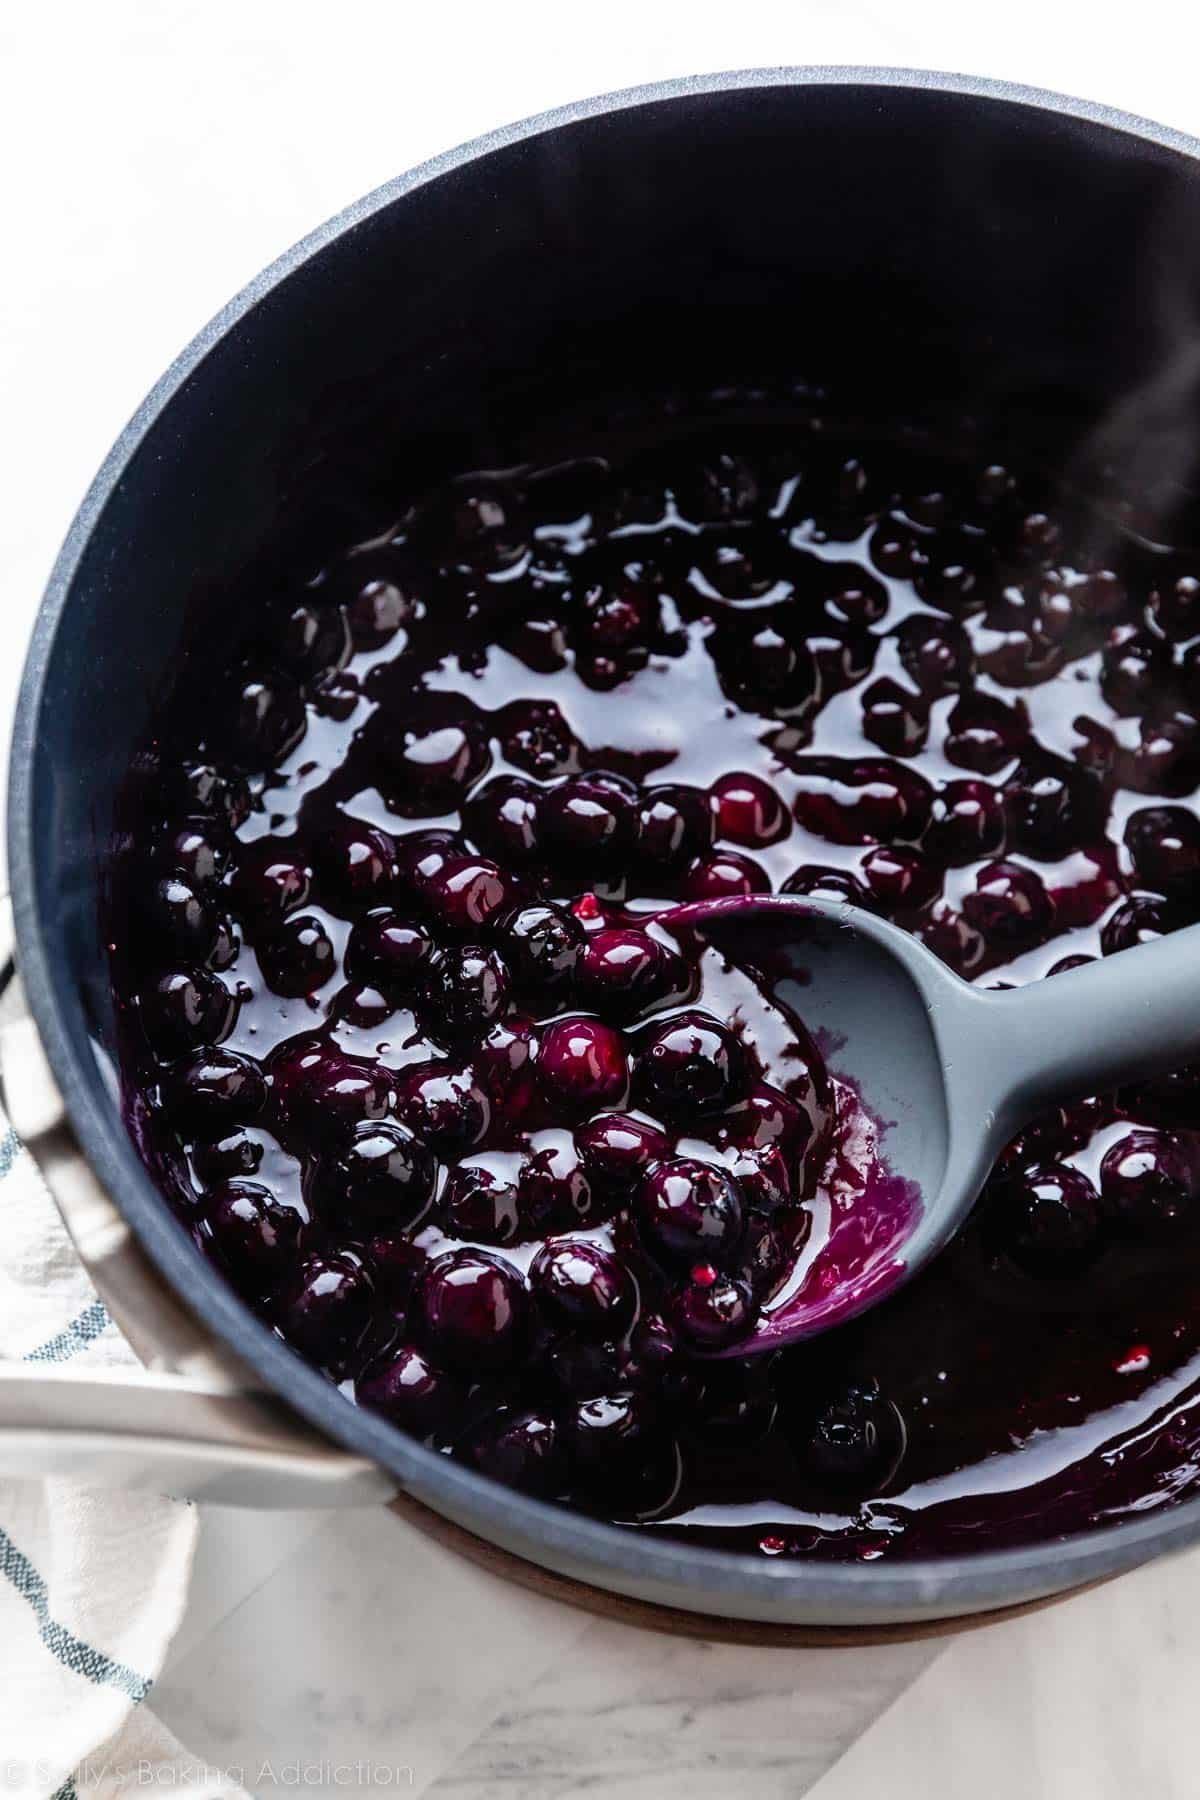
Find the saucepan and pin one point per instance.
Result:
(924, 245)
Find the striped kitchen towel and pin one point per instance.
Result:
(92, 1582)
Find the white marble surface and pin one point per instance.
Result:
(156, 153)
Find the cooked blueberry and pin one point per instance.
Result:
(766, 1258)
(1049, 807)
(1138, 920)
(555, 1193)
(267, 719)
(393, 953)
(691, 1066)
(412, 1392)
(467, 893)
(762, 1176)
(894, 718)
(617, 1149)
(856, 1443)
(608, 1431)
(583, 1066)
(712, 1310)
(322, 1094)
(748, 810)
(1135, 668)
(583, 1287)
(823, 883)
(315, 639)
(502, 818)
(968, 823)
(215, 1090)
(935, 653)
(199, 854)
(271, 880)
(675, 825)
(1010, 904)
(468, 989)
(487, 529)
(325, 1308)
(376, 613)
(624, 973)
(218, 794)
(766, 1117)
(1149, 1180)
(590, 821)
(542, 946)
(237, 1154)
(1050, 1218)
(187, 1008)
(182, 917)
(1164, 845)
(481, 1203)
(382, 1179)
(899, 879)
(983, 734)
(535, 736)
(356, 862)
(862, 802)
(518, 1446)
(725, 874)
(470, 1309)
(298, 957)
(446, 1106)
(255, 1236)
(689, 1212)
(433, 760)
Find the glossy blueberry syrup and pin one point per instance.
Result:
(475, 1133)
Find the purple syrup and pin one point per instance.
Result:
(410, 1052)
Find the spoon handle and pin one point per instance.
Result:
(1124, 1018)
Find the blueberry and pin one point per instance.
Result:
(748, 811)
(723, 875)
(1050, 1218)
(468, 990)
(617, 1149)
(542, 945)
(392, 953)
(554, 1191)
(590, 822)
(624, 973)
(520, 1447)
(315, 639)
(298, 957)
(272, 879)
(1149, 1181)
(254, 1235)
(583, 1066)
(356, 862)
(691, 1067)
(325, 1308)
(711, 1310)
(411, 1392)
(186, 1008)
(856, 1442)
(1010, 904)
(382, 1179)
(267, 720)
(216, 1090)
(470, 1309)
(585, 1288)
(1164, 845)
(482, 1204)
(675, 826)
(689, 1212)
(446, 1106)
(502, 817)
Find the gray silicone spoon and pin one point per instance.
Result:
(952, 1070)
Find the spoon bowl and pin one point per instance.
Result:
(944, 1073)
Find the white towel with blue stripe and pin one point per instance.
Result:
(93, 1582)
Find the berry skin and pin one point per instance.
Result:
(471, 1310)
(381, 1180)
(321, 1094)
(691, 1067)
(583, 1066)
(689, 1212)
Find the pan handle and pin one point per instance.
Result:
(193, 1420)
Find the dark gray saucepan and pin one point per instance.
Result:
(924, 243)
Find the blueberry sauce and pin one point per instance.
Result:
(423, 1072)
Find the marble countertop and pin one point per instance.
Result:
(157, 157)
